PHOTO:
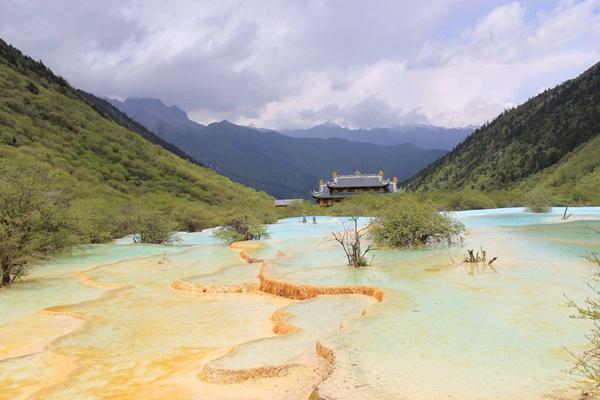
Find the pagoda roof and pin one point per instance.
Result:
(353, 181)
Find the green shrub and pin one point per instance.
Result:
(192, 220)
(33, 219)
(538, 202)
(153, 229)
(240, 229)
(412, 223)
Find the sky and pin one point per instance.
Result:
(296, 63)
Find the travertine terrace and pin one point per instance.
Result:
(197, 320)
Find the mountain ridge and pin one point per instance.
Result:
(423, 136)
(285, 166)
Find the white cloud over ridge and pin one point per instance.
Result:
(282, 64)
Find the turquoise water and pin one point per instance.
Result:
(106, 321)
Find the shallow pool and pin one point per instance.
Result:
(193, 320)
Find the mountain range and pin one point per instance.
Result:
(423, 136)
(283, 166)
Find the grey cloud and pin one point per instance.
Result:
(371, 112)
(75, 38)
(66, 28)
(242, 59)
(95, 45)
(195, 78)
(357, 32)
(340, 86)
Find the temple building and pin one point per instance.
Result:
(342, 186)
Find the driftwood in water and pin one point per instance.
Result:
(477, 262)
(164, 259)
(479, 257)
(565, 215)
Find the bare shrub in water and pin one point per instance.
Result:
(350, 240)
(566, 214)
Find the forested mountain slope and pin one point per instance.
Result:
(111, 173)
(526, 144)
(573, 180)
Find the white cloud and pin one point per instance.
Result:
(497, 62)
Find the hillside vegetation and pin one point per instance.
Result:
(575, 179)
(546, 143)
(110, 176)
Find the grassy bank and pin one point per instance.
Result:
(372, 205)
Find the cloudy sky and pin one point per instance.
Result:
(296, 63)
